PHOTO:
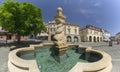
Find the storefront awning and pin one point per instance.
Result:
(43, 34)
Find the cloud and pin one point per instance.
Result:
(86, 11)
(83, 11)
(71, 1)
(97, 4)
(98, 22)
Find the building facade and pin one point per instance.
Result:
(71, 31)
(117, 36)
(91, 33)
(4, 35)
(106, 35)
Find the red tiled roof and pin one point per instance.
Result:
(91, 27)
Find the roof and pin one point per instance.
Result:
(91, 27)
(118, 33)
(50, 23)
(67, 23)
(106, 31)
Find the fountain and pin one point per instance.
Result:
(59, 56)
(60, 45)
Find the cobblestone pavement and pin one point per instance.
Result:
(3, 59)
(5, 48)
(114, 51)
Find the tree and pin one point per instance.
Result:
(17, 18)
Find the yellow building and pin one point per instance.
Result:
(71, 31)
(91, 33)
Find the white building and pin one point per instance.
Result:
(71, 31)
(91, 33)
(117, 36)
(106, 35)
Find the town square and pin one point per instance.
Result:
(65, 36)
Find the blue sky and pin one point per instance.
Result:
(101, 13)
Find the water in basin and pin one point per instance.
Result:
(47, 63)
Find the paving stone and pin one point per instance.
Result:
(3, 59)
(114, 51)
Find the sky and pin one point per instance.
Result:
(104, 14)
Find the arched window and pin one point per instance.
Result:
(69, 39)
(90, 39)
(98, 39)
(76, 39)
(94, 39)
(52, 37)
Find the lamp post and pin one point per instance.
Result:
(31, 35)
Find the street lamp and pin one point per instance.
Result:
(31, 36)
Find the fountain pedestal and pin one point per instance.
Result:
(60, 53)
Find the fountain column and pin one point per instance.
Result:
(60, 45)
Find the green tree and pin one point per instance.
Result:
(21, 18)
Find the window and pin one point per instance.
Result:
(68, 26)
(54, 29)
(51, 30)
(94, 32)
(86, 31)
(97, 33)
(82, 31)
(2, 28)
(69, 30)
(89, 31)
(75, 31)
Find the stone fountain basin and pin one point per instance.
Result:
(102, 65)
(19, 64)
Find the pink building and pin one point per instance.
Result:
(4, 35)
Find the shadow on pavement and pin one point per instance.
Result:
(14, 45)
